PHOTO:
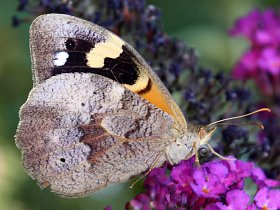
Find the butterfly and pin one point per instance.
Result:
(97, 113)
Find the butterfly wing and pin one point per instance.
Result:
(80, 132)
(66, 44)
(97, 113)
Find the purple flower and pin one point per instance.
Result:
(207, 185)
(268, 30)
(214, 185)
(270, 60)
(182, 173)
(247, 67)
(235, 199)
(141, 201)
(268, 199)
(262, 59)
(260, 28)
(261, 180)
(211, 180)
(246, 25)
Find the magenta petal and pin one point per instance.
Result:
(264, 37)
(136, 205)
(244, 169)
(258, 174)
(272, 183)
(268, 33)
(183, 172)
(260, 179)
(216, 206)
(246, 25)
(260, 28)
(262, 61)
(201, 191)
(270, 61)
(238, 199)
(218, 169)
(247, 66)
(222, 171)
(207, 185)
(266, 198)
(199, 177)
(274, 199)
(261, 197)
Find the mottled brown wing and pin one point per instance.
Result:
(80, 132)
(66, 44)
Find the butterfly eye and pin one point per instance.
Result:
(62, 160)
(203, 151)
(70, 44)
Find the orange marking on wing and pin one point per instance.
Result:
(155, 96)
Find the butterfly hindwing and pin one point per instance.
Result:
(81, 132)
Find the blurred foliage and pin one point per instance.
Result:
(202, 24)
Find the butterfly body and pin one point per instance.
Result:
(97, 114)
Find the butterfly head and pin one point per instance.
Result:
(194, 140)
(188, 142)
(204, 134)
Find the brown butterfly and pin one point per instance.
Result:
(97, 113)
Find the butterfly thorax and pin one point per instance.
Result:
(184, 144)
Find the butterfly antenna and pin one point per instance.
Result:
(249, 123)
(240, 116)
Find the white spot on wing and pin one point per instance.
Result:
(60, 58)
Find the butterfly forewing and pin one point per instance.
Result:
(65, 44)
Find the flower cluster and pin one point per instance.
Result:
(216, 185)
(261, 63)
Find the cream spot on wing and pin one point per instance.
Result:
(111, 48)
(60, 58)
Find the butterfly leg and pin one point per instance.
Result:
(217, 154)
(196, 154)
(153, 165)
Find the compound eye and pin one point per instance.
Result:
(203, 151)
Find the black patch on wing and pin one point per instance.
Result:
(77, 49)
(78, 45)
(122, 69)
